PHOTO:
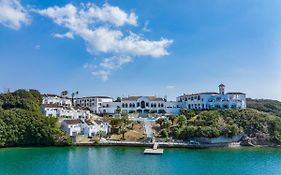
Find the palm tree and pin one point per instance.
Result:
(73, 94)
(182, 121)
(118, 109)
(64, 93)
(173, 118)
(101, 134)
(160, 121)
(123, 131)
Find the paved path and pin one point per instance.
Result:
(148, 129)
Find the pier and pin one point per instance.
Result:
(154, 150)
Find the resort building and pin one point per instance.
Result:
(141, 105)
(94, 103)
(55, 110)
(74, 127)
(56, 99)
(91, 128)
(214, 100)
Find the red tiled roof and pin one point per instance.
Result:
(135, 98)
(98, 122)
(202, 93)
(51, 106)
(236, 93)
(72, 121)
(51, 95)
(95, 97)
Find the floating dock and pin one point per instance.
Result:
(154, 150)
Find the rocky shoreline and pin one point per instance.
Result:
(173, 144)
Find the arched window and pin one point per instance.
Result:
(142, 104)
(162, 105)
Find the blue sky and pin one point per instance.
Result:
(200, 45)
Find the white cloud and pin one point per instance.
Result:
(108, 65)
(64, 35)
(145, 27)
(103, 74)
(13, 14)
(170, 87)
(108, 13)
(101, 29)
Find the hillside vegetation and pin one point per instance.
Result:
(265, 105)
(23, 124)
(259, 127)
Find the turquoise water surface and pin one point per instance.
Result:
(131, 161)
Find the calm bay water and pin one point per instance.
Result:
(131, 161)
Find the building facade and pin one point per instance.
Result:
(94, 103)
(54, 110)
(72, 127)
(56, 100)
(75, 127)
(91, 128)
(213, 100)
(141, 105)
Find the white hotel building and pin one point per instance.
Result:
(142, 105)
(94, 103)
(213, 100)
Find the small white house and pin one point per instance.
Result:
(54, 110)
(91, 128)
(72, 127)
(56, 100)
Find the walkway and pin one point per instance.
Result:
(148, 129)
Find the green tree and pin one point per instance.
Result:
(118, 99)
(101, 134)
(118, 109)
(164, 133)
(182, 121)
(172, 118)
(23, 124)
(123, 130)
(64, 93)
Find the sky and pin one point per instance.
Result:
(141, 47)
